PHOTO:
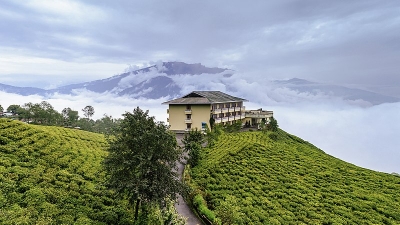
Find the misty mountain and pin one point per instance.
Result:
(172, 79)
(352, 94)
(25, 91)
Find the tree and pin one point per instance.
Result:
(212, 122)
(70, 116)
(13, 109)
(273, 125)
(1, 108)
(141, 164)
(192, 143)
(88, 111)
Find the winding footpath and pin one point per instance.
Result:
(182, 207)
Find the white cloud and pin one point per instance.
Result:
(105, 103)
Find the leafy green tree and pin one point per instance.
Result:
(192, 143)
(141, 164)
(1, 108)
(88, 111)
(70, 116)
(273, 125)
(105, 124)
(13, 109)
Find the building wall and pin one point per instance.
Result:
(199, 114)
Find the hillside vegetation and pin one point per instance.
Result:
(248, 178)
(50, 175)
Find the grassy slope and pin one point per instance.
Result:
(49, 175)
(289, 181)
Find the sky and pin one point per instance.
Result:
(352, 43)
(52, 43)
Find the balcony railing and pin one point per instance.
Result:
(226, 119)
(225, 110)
(188, 121)
(188, 111)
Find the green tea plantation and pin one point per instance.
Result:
(51, 175)
(249, 178)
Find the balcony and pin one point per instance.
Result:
(167, 111)
(167, 119)
(188, 111)
(188, 121)
(225, 110)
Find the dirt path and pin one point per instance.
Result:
(182, 207)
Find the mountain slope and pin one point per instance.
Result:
(25, 91)
(172, 79)
(50, 175)
(256, 180)
(353, 94)
(151, 82)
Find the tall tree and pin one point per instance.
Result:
(1, 108)
(141, 164)
(70, 116)
(88, 111)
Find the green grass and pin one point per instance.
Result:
(51, 175)
(290, 181)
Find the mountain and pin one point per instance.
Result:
(352, 94)
(277, 178)
(25, 91)
(172, 79)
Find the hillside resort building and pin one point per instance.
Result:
(194, 110)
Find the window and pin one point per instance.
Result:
(188, 107)
(189, 126)
(203, 125)
(188, 116)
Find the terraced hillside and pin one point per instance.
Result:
(248, 178)
(50, 175)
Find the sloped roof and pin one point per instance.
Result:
(204, 97)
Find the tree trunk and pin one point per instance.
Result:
(137, 209)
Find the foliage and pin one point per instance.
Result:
(14, 109)
(88, 111)
(192, 142)
(290, 181)
(273, 125)
(1, 108)
(234, 127)
(70, 116)
(229, 210)
(212, 122)
(141, 164)
(201, 206)
(51, 175)
(44, 114)
(152, 214)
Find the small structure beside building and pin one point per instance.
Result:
(255, 117)
(194, 110)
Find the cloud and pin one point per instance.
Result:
(337, 42)
(105, 103)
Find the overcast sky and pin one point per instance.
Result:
(48, 43)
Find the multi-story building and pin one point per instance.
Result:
(195, 109)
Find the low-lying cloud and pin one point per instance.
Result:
(364, 136)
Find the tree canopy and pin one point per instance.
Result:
(141, 164)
